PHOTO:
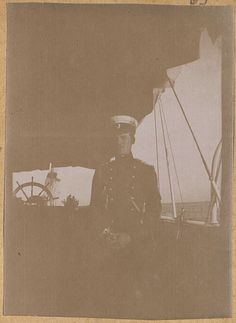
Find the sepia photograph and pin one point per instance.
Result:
(118, 161)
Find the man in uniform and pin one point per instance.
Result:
(127, 207)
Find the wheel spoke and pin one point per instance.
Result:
(43, 189)
(32, 185)
(22, 191)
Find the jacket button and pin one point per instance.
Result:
(111, 178)
(132, 209)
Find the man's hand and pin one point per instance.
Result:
(116, 240)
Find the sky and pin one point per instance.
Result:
(198, 86)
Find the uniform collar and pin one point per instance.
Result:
(124, 157)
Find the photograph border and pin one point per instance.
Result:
(27, 319)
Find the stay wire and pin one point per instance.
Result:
(172, 154)
(196, 142)
(167, 159)
(157, 154)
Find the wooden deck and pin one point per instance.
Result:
(50, 269)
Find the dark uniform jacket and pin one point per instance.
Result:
(126, 197)
(127, 202)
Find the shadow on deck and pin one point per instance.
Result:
(50, 269)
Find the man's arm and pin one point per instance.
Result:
(153, 205)
(96, 190)
(153, 195)
(97, 201)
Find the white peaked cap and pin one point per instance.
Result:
(124, 119)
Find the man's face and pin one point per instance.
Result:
(124, 143)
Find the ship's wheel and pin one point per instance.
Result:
(33, 193)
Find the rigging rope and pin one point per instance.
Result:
(214, 186)
(179, 217)
(218, 148)
(167, 161)
(157, 158)
(215, 175)
(172, 155)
